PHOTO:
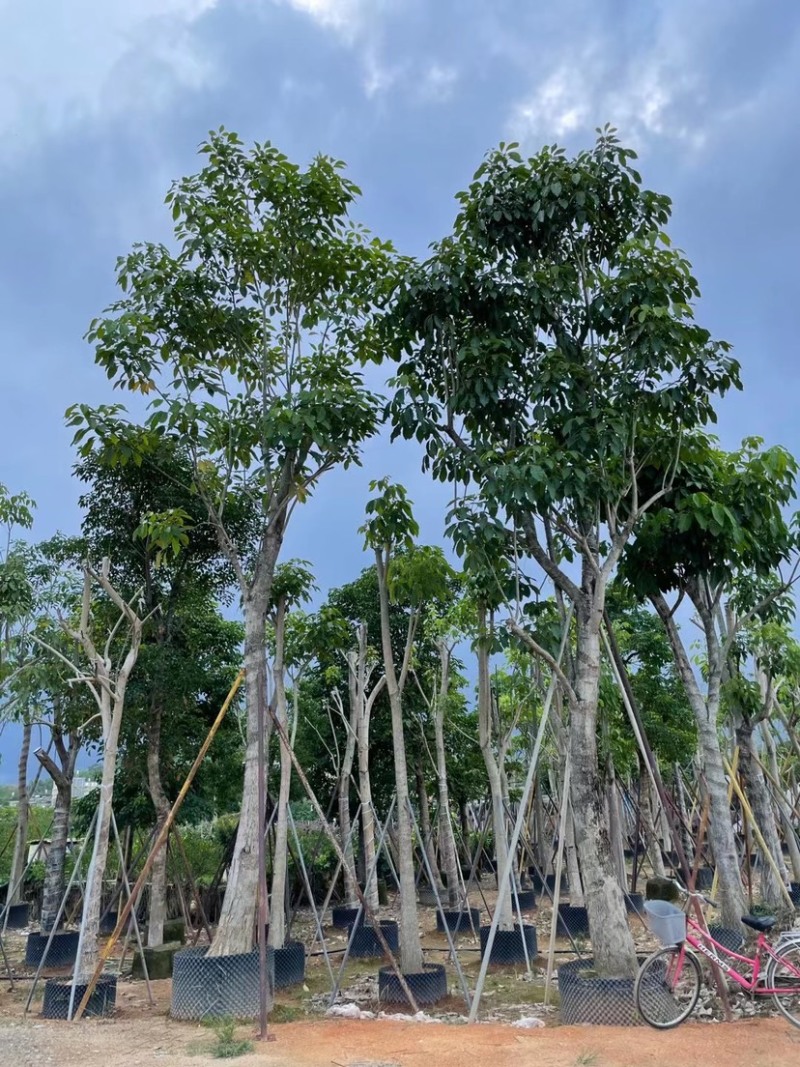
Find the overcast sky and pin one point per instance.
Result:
(103, 103)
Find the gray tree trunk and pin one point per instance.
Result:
(345, 822)
(648, 826)
(612, 943)
(367, 810)
(19, 859)
(706, 712)
(784, 808)
(506, 920)
(447, 842)
(280, 857)
(158, 876)
(62, 777)
(411, 958)
(425, 825)
(755, 789)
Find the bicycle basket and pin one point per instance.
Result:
(667, 922)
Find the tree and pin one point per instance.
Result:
(548, 349)
(720, 521)
(246, 337)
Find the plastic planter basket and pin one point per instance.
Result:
(365, 944)
(667, 922)
(459, 922)
(57, 993)
(572, 921)
(214, 987)
(62, 952)
(428, 986)
(509, 946)
(290, 964)
(15, 917)
(342, 917)
(588, 998)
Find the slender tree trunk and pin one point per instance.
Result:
(367, 810)
(784, 808)
(683, 809)
(706, 711)
(19, 859)
(506, 921)
(447, 843)
(570, 847)
(280, 858)
(158, 877)
(411, 957)
(235, 930)
(345, 823)
(612, 943)
(653, 847)
(755, 789)
(425, 825)
(62, 778)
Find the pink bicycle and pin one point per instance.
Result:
(668, 983)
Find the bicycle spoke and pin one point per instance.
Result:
(784, 976)
(667, 987)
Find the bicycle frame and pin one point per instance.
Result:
(706, 945)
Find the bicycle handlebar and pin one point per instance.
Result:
(691, 893)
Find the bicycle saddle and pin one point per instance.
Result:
(762, 923)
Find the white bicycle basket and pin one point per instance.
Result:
(667, 922)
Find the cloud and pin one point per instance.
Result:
(93, 57)
(438, 83)
(342, 15)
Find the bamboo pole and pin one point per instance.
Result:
(159, 843)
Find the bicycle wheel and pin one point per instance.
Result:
(667, 987)
(784, 975)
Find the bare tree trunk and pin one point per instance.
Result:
(612, 943)
(426, 828)
(411, 958)
(653, 847)
(280, 858)
(62, 777)
(367, 810)
(235, 930)
(683, 809)
(447, 843)
(345, 823)
(158, 876)
(755, 789)
(783, 808)
(19, 859)
(506, 921)
(570, 848)
(706, 711)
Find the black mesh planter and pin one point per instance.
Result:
(794, 893)
(705, 878)
(527, 899)
(290, 964)
(588, 998)
(459, 922)
(108, 923)
(634, 902)
(727, 937)
(62, 952)
(365, 944)
(509, 946)
(342, 917)
(214, 987)
(57, 993)
(547, 885)
(428, 986)
(427, 898)
(572, 921)
(15, 917)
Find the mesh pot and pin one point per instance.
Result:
(727, 937)
(15, 917)
(428, 986)
(588, 998)
(573, 921)
(57, 993)
(634, 902)
(794, 893)
(705, 878)
(365, 944)
(509, 945)
(457, 922)
(63, 949)
(108, 923)
(342, 917)
(290, 964)
(547, 885)
(217, 987)
(527, 899)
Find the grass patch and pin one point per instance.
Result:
(586, 1059)
(286, 1013)
(227, 1045)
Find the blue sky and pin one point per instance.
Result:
(103, 102)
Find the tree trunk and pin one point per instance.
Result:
(648, 826)
(235, 930)
(19, 860)
(367, 811)
(425, 826)
(706, 711)
(93, 897)
(755, 789)
(447, 843)
(345, 824)
(506, 921)
(783, 807)
(683, 809)
(280, 858)
(411, 958)
(570, 848)
(158, 877)
(612, 943)
(62, 778)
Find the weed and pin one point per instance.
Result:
(228, 1045)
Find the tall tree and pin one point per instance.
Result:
(548, 348)
(247, 338)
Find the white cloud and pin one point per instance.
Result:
(438, 83)
(63, 62)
